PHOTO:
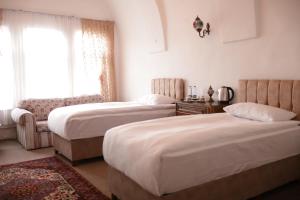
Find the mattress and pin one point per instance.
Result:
(92, 120)
(171, 154)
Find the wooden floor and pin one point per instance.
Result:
(95, 171)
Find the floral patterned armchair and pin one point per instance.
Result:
(31, 118)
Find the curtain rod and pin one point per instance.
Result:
(41, 13)
(36, 12)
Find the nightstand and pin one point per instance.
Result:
(192, 108)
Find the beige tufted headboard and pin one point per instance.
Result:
(279, 93)
(172, 87)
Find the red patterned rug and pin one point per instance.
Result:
(48, 179)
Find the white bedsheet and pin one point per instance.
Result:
(171, 154)
(92, 120)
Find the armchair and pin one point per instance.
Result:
(31, 118)
(26, 128)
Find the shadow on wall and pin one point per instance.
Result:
(162, 12)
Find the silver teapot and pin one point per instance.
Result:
(225, 94)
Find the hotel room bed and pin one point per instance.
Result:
(93, 120)
(79, 130)
(215, 156)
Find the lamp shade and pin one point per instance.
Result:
(198, 24)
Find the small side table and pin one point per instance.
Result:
(192, 108)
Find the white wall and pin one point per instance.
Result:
(92, 9)
(273, 54)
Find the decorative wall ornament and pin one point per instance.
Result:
(210, 92)
(198, 26)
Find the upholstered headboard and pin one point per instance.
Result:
(172, 87)
(279, 93)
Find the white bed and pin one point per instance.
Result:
(78, 130)
(168, 155)
(93, 120)
(214, 156)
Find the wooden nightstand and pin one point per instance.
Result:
(191, 108)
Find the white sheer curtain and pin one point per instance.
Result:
(7, 79)
(42, 53)
(41, 57)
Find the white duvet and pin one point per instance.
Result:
(92, 120)
(171, 154)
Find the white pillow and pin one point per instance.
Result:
(155, 99)
(259, 112)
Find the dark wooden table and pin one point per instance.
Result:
(191, 108)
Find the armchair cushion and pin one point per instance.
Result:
(42, 126)
(83, 100)
(41, 107)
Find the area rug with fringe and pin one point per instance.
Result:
(47, 178)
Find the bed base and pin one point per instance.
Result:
(244, 185)
(79, 149)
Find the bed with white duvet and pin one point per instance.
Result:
(78, 130)
(167, 155)
(93, 120)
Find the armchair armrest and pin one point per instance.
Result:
(19, 115)
(26, 127)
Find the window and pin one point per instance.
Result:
(89, 54)
(46, 63)
(6, 71)
(49, 56)
(44, 56)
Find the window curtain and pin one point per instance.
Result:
(5, 79)
(50, 56)
(36, 57)
(98, 51)
(41, 53)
